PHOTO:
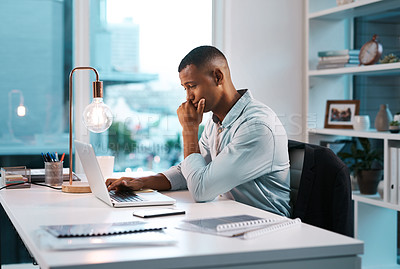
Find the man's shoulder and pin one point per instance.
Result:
(256, 110)
(258, 113)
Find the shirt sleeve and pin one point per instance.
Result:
(204, 144)
(174, 174)
(175, 177)
(249, 155)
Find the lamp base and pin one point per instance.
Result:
(76, 187)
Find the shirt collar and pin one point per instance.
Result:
(236, 110)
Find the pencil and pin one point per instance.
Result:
(62, 157)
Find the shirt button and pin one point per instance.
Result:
(220, 130)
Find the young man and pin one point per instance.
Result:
(242, 152)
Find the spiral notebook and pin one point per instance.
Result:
(244, 226)
(101, 229)
(151, 238)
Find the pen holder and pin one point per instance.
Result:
(53, 173)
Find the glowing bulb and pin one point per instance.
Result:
(21, 111)
(97, 116)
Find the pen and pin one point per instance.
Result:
(62, 157)
(56, 156)
(43, 158)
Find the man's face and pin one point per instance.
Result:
(199, 85)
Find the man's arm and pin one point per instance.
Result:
(156, 182)
(249, 155)
(190, 119)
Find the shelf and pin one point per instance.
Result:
(377, 69)
(356, 9)
(372, 133)
(373, 200)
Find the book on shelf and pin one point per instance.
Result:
(334, 65)
(338, 53)
(356, 61)
(393, 175)
(397, 184)
(243, 226)
(338, 59)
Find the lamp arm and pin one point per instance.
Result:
(70, 112)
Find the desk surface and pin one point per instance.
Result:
(304, 246)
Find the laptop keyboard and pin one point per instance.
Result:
(125, 196)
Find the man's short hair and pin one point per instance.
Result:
(200, 57)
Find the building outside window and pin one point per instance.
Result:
(137, 49)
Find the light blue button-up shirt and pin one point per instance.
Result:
(245, 156)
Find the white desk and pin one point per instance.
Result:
(303, 246)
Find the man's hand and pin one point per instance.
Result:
(124, 184)
(155, 182)
(190, 117)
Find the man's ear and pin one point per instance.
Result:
(218, 76)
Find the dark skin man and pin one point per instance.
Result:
(208, 88)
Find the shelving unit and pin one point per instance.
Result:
(388, 140)
(331, 27)
(355, 9)
(379, 69)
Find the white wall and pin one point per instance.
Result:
(263, 41)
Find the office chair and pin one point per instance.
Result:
(320, 188)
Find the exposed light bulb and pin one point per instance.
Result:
(97, 116)
(21, 111)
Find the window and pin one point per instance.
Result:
(36, 56)
(136, 46)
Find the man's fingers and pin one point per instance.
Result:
(109, 181)
(113, 185)
(201, 106)
(122, 183)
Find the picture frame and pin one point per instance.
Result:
(340, 114)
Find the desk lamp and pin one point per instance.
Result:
(97, 118)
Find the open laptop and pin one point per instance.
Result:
(112, 198)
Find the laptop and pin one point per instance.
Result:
(112, 198)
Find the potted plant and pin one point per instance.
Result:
(394, 126)
(366, 164)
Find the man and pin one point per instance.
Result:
(242, 152)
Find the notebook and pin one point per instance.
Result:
(102, 235)
(101, 229)
(99, 189)
(37, 175)
(244, 226)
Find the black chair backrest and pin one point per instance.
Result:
(323, 196)
(296, 157)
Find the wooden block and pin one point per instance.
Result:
(76, 187)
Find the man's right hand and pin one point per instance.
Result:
(124, 184)
(155, 182)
